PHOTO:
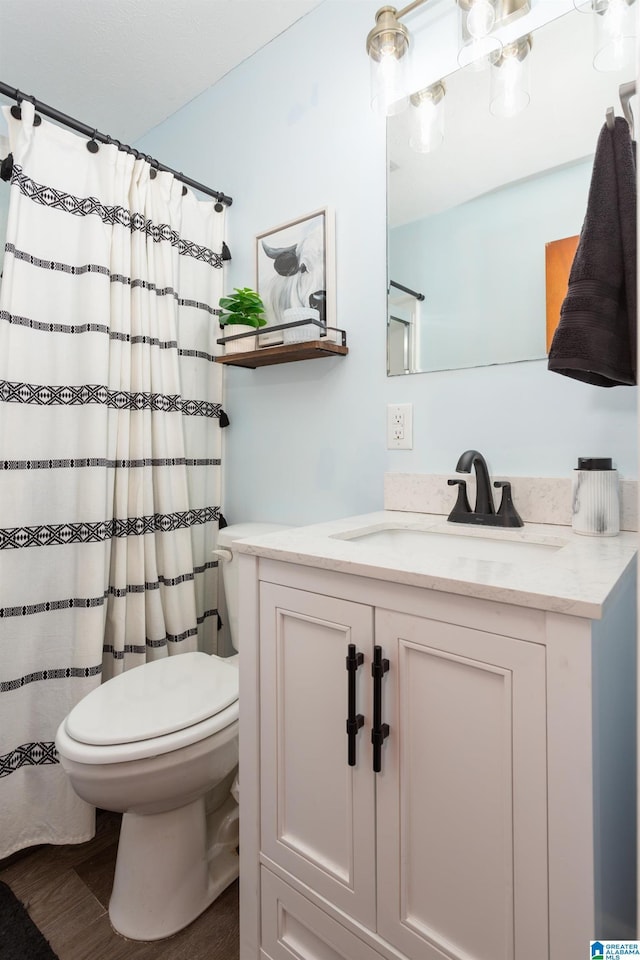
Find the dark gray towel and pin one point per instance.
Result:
(596, 338)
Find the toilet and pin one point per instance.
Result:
(159, 744)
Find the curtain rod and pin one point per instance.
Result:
(17, 95)
(413, 293)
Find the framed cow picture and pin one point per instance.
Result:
(295, 276)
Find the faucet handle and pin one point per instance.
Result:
(507, 512)
(462, 505)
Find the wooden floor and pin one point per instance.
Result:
(66, 890)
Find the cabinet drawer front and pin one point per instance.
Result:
(461, 800)
(293, 928)
(317, 811)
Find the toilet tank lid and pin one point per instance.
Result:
(155, 699)
(240, 531)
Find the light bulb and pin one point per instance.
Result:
(614, 16)
(613, 27)
(387, 46)
(427, 119)
(510, 79)
(477, 43)
(480, 19)
(615, 32)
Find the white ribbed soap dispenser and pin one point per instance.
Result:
(595, 504)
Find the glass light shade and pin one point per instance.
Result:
(388, 48)
(510, 79)
(481, 18)
(389, 83)
(614, 34)
(476, 45)
(427, 119)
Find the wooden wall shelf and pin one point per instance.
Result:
(284, 353)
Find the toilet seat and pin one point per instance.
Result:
(154, 709)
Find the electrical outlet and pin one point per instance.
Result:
(399, 426)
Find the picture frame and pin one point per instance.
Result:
(295, 276)
(559, 256)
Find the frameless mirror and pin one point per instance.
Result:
(468, 224)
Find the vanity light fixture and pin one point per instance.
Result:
(388, 48)
(510, 79)
(389, 40)
(427, 118)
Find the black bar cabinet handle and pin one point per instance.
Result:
(354, 720)
(379, 730)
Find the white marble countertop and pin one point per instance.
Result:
(558, 570)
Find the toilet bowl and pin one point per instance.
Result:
(159, 744)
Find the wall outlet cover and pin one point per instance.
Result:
(399, 426)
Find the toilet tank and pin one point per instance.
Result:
(228, 560)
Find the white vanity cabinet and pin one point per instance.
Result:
(475, 839)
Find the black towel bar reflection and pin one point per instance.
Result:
(354, 720)
(379, 730)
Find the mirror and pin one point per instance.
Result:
(468, 224)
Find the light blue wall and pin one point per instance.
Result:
(287, 132)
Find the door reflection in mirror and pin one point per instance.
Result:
(403, 329)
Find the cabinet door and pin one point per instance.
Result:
(461, 798)
(317, 811)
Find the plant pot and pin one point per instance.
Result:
(242, 345)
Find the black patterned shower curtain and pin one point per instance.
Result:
(109, 446)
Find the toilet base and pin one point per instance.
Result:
(170, 867)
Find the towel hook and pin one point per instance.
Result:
(628, 90)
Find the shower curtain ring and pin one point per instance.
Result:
(16, 112)
(37, 119)
(92, 145)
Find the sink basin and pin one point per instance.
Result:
(417, 543)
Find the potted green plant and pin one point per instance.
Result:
(244, 311)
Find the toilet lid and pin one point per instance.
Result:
(155, 699)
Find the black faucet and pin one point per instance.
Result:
(484, 511)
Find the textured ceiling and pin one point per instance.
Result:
(124, 66)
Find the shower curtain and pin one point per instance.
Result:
(109, 446)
